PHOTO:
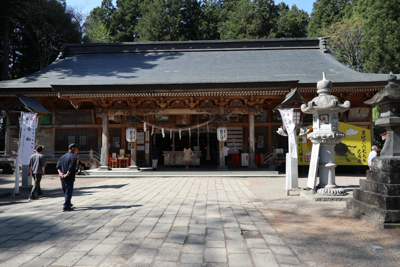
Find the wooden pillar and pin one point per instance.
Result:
(171, 161)
(222, 166)
(133, 165)
(104, 142)
(270, 118)
(252, 149)
(7, 135)
(198, 142)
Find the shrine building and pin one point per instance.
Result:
(176, 95)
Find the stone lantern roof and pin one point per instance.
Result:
(324, 101)
(391, 93)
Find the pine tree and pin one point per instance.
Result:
(325, 13)
(125, 20)
(151, 25)
(381, 37)
(291, 22)
(241, 21)
(209, 20)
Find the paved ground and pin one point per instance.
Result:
(186, 222)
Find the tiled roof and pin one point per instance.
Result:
(200, 62)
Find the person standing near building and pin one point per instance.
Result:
(37, 164)
(226, 154)
(154, 157)
(187, 156)
(66, 168)
(372, 155)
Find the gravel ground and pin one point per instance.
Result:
(332, 236)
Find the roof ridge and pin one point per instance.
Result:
(190, 46)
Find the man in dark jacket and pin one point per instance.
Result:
(66, 170)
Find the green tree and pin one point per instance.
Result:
(35, 30)
(325, 13)
(240, 21)
(97, 32)
(345, 42)
(381, 36)
(104, 13)
(266, 18)
(209, 20)
(292, 22)
(126, 19)
(190, 20)
(151, 25)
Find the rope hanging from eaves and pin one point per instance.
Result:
(178, 129)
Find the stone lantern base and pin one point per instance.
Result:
(378, 199)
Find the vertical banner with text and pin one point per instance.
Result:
(287, 118)
(27, 137)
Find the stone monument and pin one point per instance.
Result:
(378, 199)
(325, 109)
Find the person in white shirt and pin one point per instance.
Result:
(372, 155)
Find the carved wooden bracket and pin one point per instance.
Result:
(178, 104)
(100, 112)
(75, 104)
(236, 107)
(148, 107)
(207, 106)
(221, 102)
(256, 109)
(113, 112)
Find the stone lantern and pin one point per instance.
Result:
(378, 198)
(325, 109)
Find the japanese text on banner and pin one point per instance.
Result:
(27, 137)
(287, 118)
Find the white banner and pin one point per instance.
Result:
(27, 137)
(287, 118)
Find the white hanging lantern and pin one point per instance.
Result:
(131, 134)
(162, 132)
(222, 133)
(144, 127)
(180, 134)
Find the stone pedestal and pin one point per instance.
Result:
(378, 199)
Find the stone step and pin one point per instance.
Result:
(380, 188)
(376, 213)
(382, 201)
(126, 173)
(383, 177)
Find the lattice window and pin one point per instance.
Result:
(86, 138)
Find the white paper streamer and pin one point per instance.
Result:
(144, 126)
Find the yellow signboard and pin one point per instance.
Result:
(352, 150)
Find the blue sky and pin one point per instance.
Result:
(88, 5)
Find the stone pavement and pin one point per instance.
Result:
(147, 222)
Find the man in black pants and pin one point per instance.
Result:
(36, 165)
(66, 170)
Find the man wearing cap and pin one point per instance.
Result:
(66, 170)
